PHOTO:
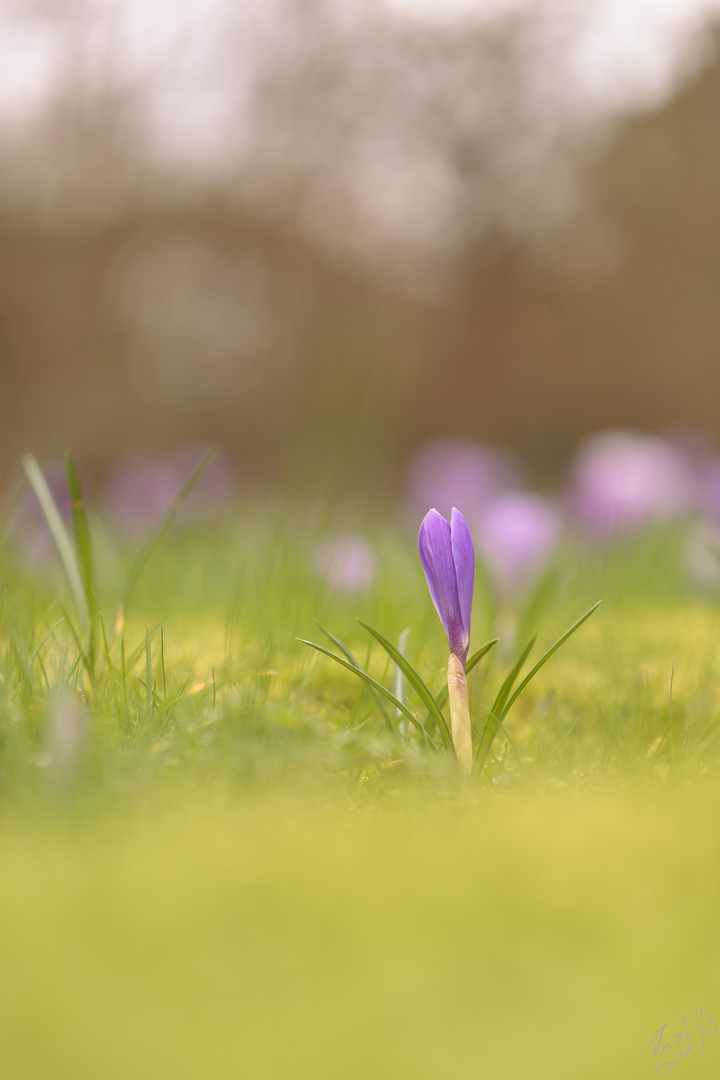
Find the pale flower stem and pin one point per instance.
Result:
(460, 713)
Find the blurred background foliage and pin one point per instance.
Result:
(321, 233)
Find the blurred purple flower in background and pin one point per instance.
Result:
(142, 486)
(709, 483)
(517, 535)
(455, 472)
(622, 480)
(347, 562)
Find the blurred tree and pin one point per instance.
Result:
(323, 232)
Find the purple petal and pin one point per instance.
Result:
(436, 555)
(464, 559)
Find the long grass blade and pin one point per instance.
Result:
(148, 677)
(123, 676)
(76, 638)
(84, 554)
(138, 651)
(398, 678)
(544, 659)
(494, 718)
(157, 535)
(59, 534)
(83, 541)
(74, 668)
(417, 683)
(504, 691)
(162, 662)
(567, 735)
(21, 655)
(106, 648)
(369, 681)
(500, 711)
(50, 632)
(346, 652)
(477, 656)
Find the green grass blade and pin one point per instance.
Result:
(475, 659)
(494, 718)
(84, 553)
(555, 749)
(83, 542)
(75, 667)
(504, 691)
(106, 648)
(166, 709)
(123, 675)
(162, 662)
(544, 659)
(71, 625)
(148, 676)
(417, 683)
(338, 643)
(671, 718)
(59, 535)
(492, 726)
(21, 655)
(477, 656)
(369, 681)
(50, 632)
(157, 535)
(346, 652)
(76, 638)
(399, 678)
(502, 707)
(500, 730)
(138, 651)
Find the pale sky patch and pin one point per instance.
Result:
(606, 56)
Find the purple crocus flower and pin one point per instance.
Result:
(347, 562)
(448, 559)
(517, 535)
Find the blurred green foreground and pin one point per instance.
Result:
(502, 934)
(246, 877)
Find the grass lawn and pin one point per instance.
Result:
(241, 868)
